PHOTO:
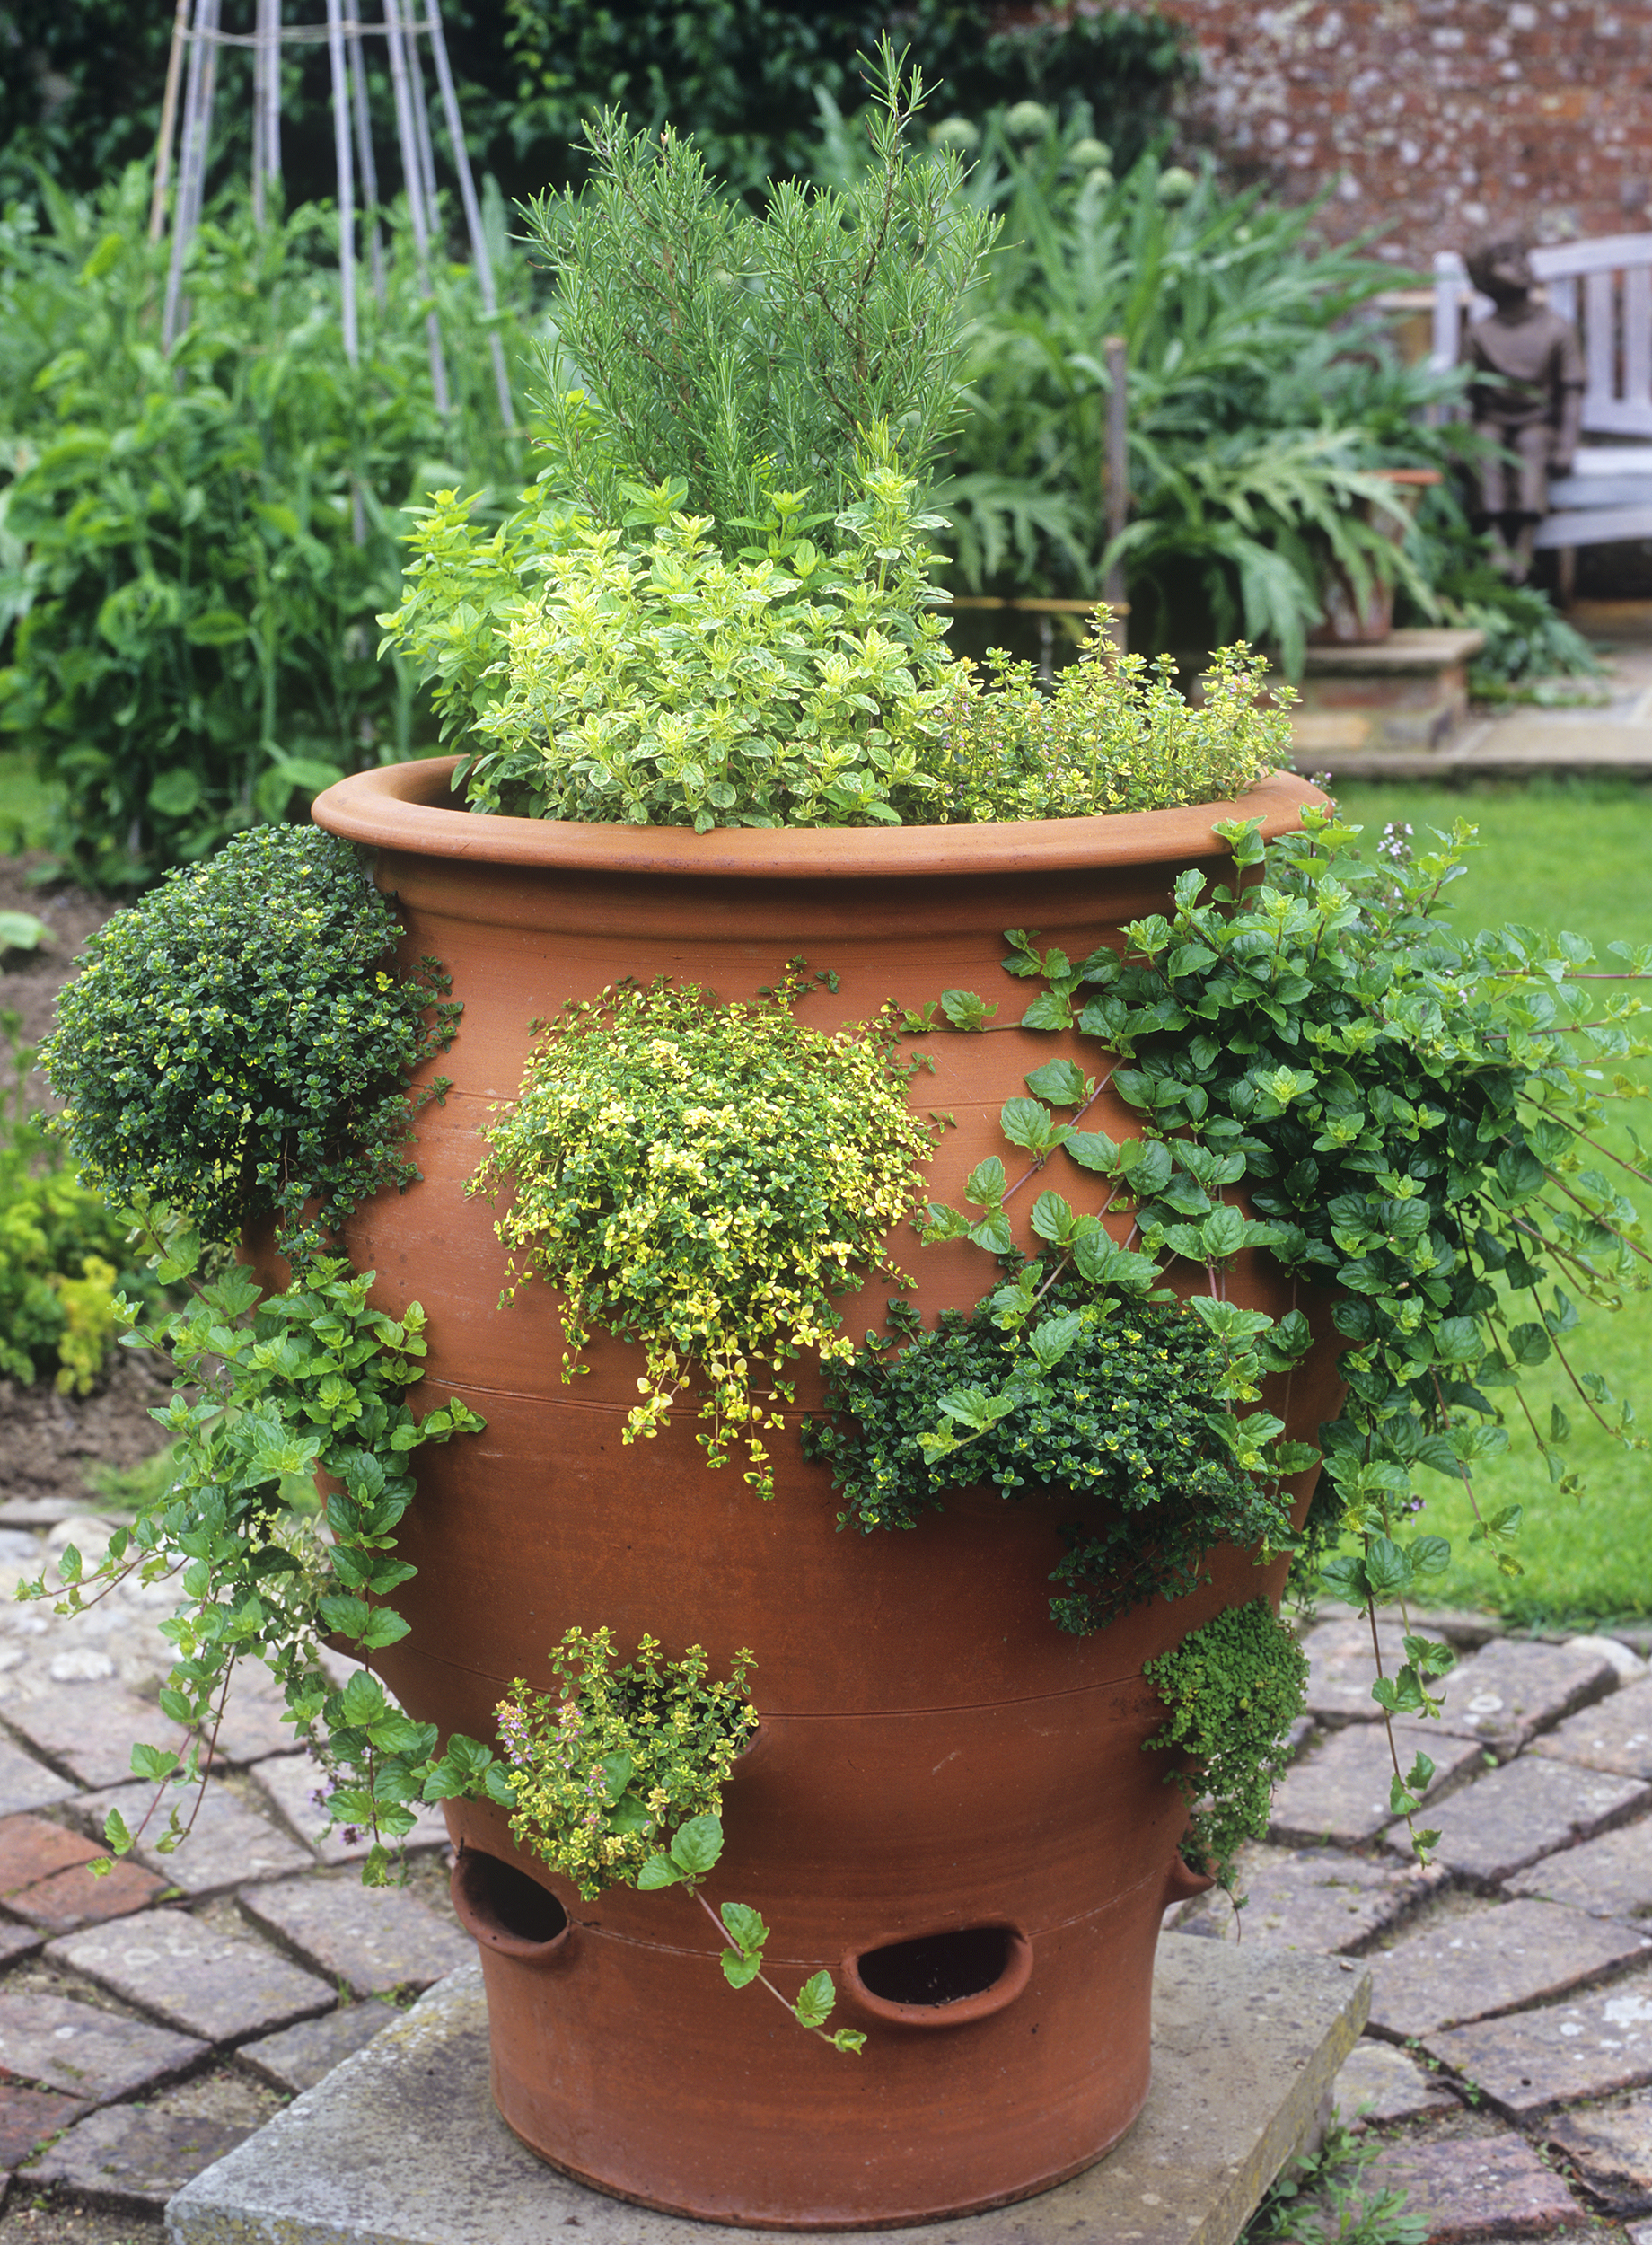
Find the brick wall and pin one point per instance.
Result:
(1433, 120)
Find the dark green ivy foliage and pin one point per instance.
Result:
(1121, 1421)
(1234, 1688)
(239, 1044)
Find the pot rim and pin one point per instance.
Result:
(402, 807)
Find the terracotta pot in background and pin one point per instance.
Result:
(947, 1804)
(1350, 622)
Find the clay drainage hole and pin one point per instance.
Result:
(938, 1967)
(495, 1901)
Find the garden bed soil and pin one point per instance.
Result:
(47, 1440)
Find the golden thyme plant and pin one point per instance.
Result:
(705, 1179)
(607, 1766)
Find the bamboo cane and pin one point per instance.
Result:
(364, 156)
(169, 119)
(412, 176)
(1117, 477)
(472, 210)
(198, 93)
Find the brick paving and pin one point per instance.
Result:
(1507, 2069)
(150, 2018)
(1508, 2065)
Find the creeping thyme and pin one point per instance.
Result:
(1122, 1421)
(705, 1179)
(1234, 1688)
(605, 1770)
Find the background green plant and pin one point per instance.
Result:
(62, 1251)
(237, 1046)
(704, 1180)
(1261, 397)
(193, 548)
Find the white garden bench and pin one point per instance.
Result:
(1604, 288)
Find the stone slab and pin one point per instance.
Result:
(300, 2056)
(19, 1940)
(1537, 2059)
(1615, 1734)
(75, 1897)
(402, 2145)
(1491, 1960)
(1340, 1792)
(92, 2054)
(91, 1734)
(372, 1938)
(29, 2116)
(228, 1845)
(1316, 1899)
(1528, 1809)
(296, 1783)
(1612, 2147)
(221, 1986)
(1610, 1876)
(1379, 2083)
(26, 1783)
(1512, 1689)
(1470, 2186)
(131, 2160)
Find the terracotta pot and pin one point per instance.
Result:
(1350, 622)
(937, 1763)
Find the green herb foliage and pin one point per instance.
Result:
(618, 1780)
(1234, 1687)
(239, 1044)
(194, 546)
(706, 1179)
(1104, 1397)
(1412, 1113)
(607, 1767)
(653, 681)
(63, 1250)
(270, 1387)
(716, 350)
(1320, 2200)
(1114, 736)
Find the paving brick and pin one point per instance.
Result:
(295, 1784)
(1614, 1734)
(129, 2159)
(1314, 1900)
(229, 1842)
(1379, 2083)
(91, 1733)
(1610, 1876)
(32, 1848)
(91, 2054)
(1612, 2147)
(300, 2056)
(19, 1940)
(1510, 1817)
(1492, 1960)
(29, 2116)
(1534, 2060)
(1342, 1671)
(1340, 1792)
(1510, 1690)
(1469, 2186)
(75, 1898)
(221, 1986)
(372, 1938)
(26, 1783)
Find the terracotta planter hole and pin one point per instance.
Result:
(944, 1979)
(503, 1908)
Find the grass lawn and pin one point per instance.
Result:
(1577, 855)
